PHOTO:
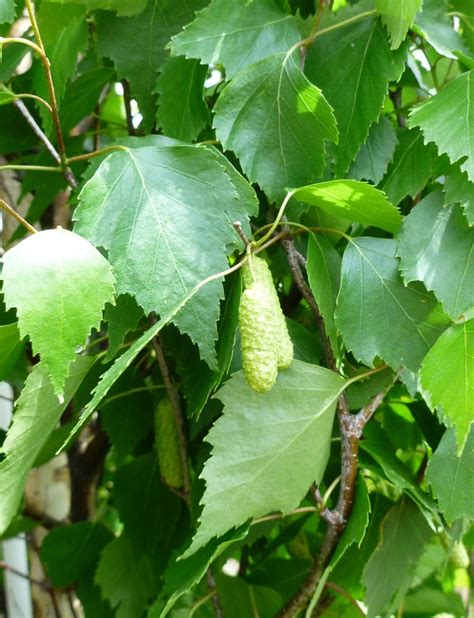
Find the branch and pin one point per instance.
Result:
(175, 400)
(24, 111)
(128, 107)
(7, 208)
(37, 582)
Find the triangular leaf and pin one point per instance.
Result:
(436, 246)
(398, 17)
(448, 121)
(183, 194)
(353, 200)
(377, 315)
(276, 122)
(218, 35)
(37, 412)
(457, 188)
(374, 156)
(358, 90)
(59, 284)
(279, 439)
(433, 23)
(447, 377)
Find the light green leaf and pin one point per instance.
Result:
(251, 31)
(276, 122)
(412, 166)
(7, 12)
(388, 573)
(374, 156)
(353, 200)
(278, 439)
(6, 96)
(10, 348)
(357, 91)
(436, 27)
(137, 45)
(398, 17)
(65, 35)
(457, 188)
(448, 120)
(182, 110)
(377, 315)
(436, 246)
(184, 204)
(122, 7)
(447, 378)
(324, 274)
(451, 478)
(37, 412)
(59, 284)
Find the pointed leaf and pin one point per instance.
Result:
(398, 17)
(7, 12)
(374, 156)
(448, 120)
(433, 23)
(182, 111)
(457, 188)
(219, 36)
(279, 439)
(10, 348)
(357, 91)
(353, 200)
(137, 45)
(276, 122)
(377, 315)
(437, 247)
(451, 478)
(59, 284)
(412, 166)
(447, 378)
(37, 412)
(183, 206)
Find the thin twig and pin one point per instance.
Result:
(344, 593)
(175, 400)
(127, 99)
(24, 111)
(32, 580)
(211, 584)
(96, 153)
(7, 208)
(238, 228)
(30, 168)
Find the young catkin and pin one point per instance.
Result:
(266, 344)
(167, 444)
(459, 556)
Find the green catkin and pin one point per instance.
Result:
(459, 556)
(266, 344)
(167, 444)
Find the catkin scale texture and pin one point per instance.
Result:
(259, 356)
(167, 444)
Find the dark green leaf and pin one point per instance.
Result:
(374, 156)
(122, 318)
(458, 189)
(122, 7)
(276, 122)
(10, 348)
(436, 27)
(218, 36)
(377, 315)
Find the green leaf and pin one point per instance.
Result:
(358, 522)
(451, 479)
(280, 438)
(358, 88)
(48, 278)
(436, 27)
(126, 578)
(398, 17)
(436, 246)
(219, 36)
(6, 96)
(65, 35)
(377, 315)
(457, 188)
(122, 318)
(412, 165)
(137, 45)
(10, 348)
(7, 11)
(447, 378)
(324, 274)
(122, 7)
(374, 156)
(353, 200)
(71, 551)
(447, 120)
(37, 412)
(184, 206)
(182, 110)
(387, 575)
(276, 122)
